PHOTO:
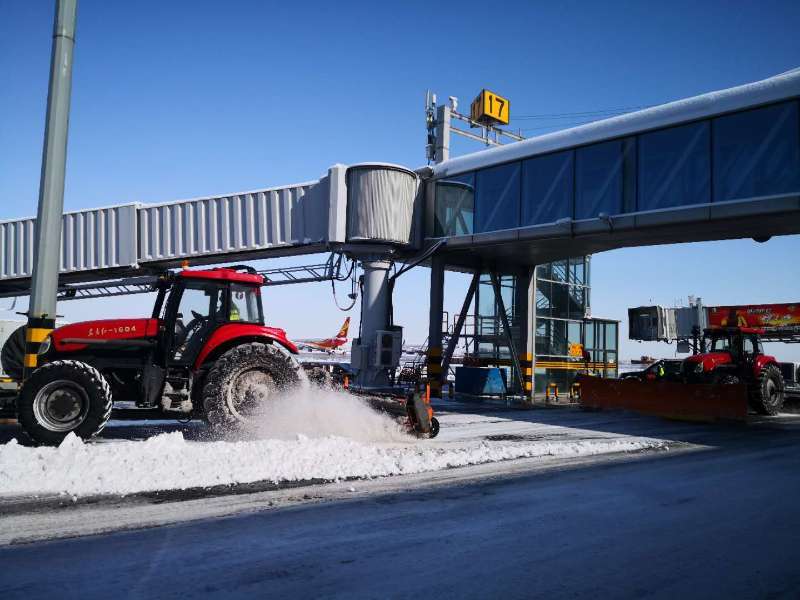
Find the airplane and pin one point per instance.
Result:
(327, 344)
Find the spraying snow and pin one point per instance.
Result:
(316, 412)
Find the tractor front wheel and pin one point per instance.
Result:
(243, 381)
(62, 397)
(767, 392)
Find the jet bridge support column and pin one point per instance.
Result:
(434, 358)
(375, 303)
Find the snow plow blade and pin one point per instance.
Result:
(688, 402)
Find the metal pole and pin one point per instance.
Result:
(434, 358)
(528, 359)
(453, 341)
(442, 152)
(44, 286)
(506, 327)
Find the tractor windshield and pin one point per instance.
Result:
(721, 344)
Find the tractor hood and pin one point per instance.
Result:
(710, 360)
(78, 336)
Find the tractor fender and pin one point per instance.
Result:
(763, 361)
(233, 334)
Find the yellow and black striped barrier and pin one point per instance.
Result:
(434, 367)
(36, 332)
(526, 364)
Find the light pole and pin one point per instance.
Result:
(44, 286)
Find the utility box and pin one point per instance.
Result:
(388, 347)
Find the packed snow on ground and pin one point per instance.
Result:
(316, 435)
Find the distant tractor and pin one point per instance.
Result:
(736, 355)
(204, 351)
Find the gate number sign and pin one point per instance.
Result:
(489, 108)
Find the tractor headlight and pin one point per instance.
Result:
(45, 345)
(698, 368)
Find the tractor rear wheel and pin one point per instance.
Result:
(62, 397)
(13, 354)
(243, 381)
(767, 392)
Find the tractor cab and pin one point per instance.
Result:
(195, 304)
(728, 352)
(740, 343)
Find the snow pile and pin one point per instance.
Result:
(168, 461)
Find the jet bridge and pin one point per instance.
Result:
(722, 165)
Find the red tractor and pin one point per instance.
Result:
(736, 355)
(204, 351)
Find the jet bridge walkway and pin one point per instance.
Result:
(131, 239)
(722, 165)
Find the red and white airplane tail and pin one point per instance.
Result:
(328, 344)
(344, 329)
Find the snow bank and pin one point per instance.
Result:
(168, 461)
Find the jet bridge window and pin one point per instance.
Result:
(455, 205)
(605, 179)
(497, 198)
(675, 167)
(757, 153)
(547, 188)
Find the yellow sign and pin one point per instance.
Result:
(576, 350)
(489, 108)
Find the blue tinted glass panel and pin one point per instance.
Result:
(559, 343)
(675, 167)
(544, 293)
(757, 153)
(559, 270)
(455, 205)
(577, 270)
(543, 336)
(560, 301)
(577, 302)
(598, 180)
(547, 188)
(497, 200)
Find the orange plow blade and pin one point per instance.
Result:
(690, 402)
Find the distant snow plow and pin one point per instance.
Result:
(689, 402)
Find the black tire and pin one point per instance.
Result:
(767, 393)
(62, 397)
(13, 354)
(434, 428)
(239, 380)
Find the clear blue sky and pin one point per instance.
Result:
(180, 99)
